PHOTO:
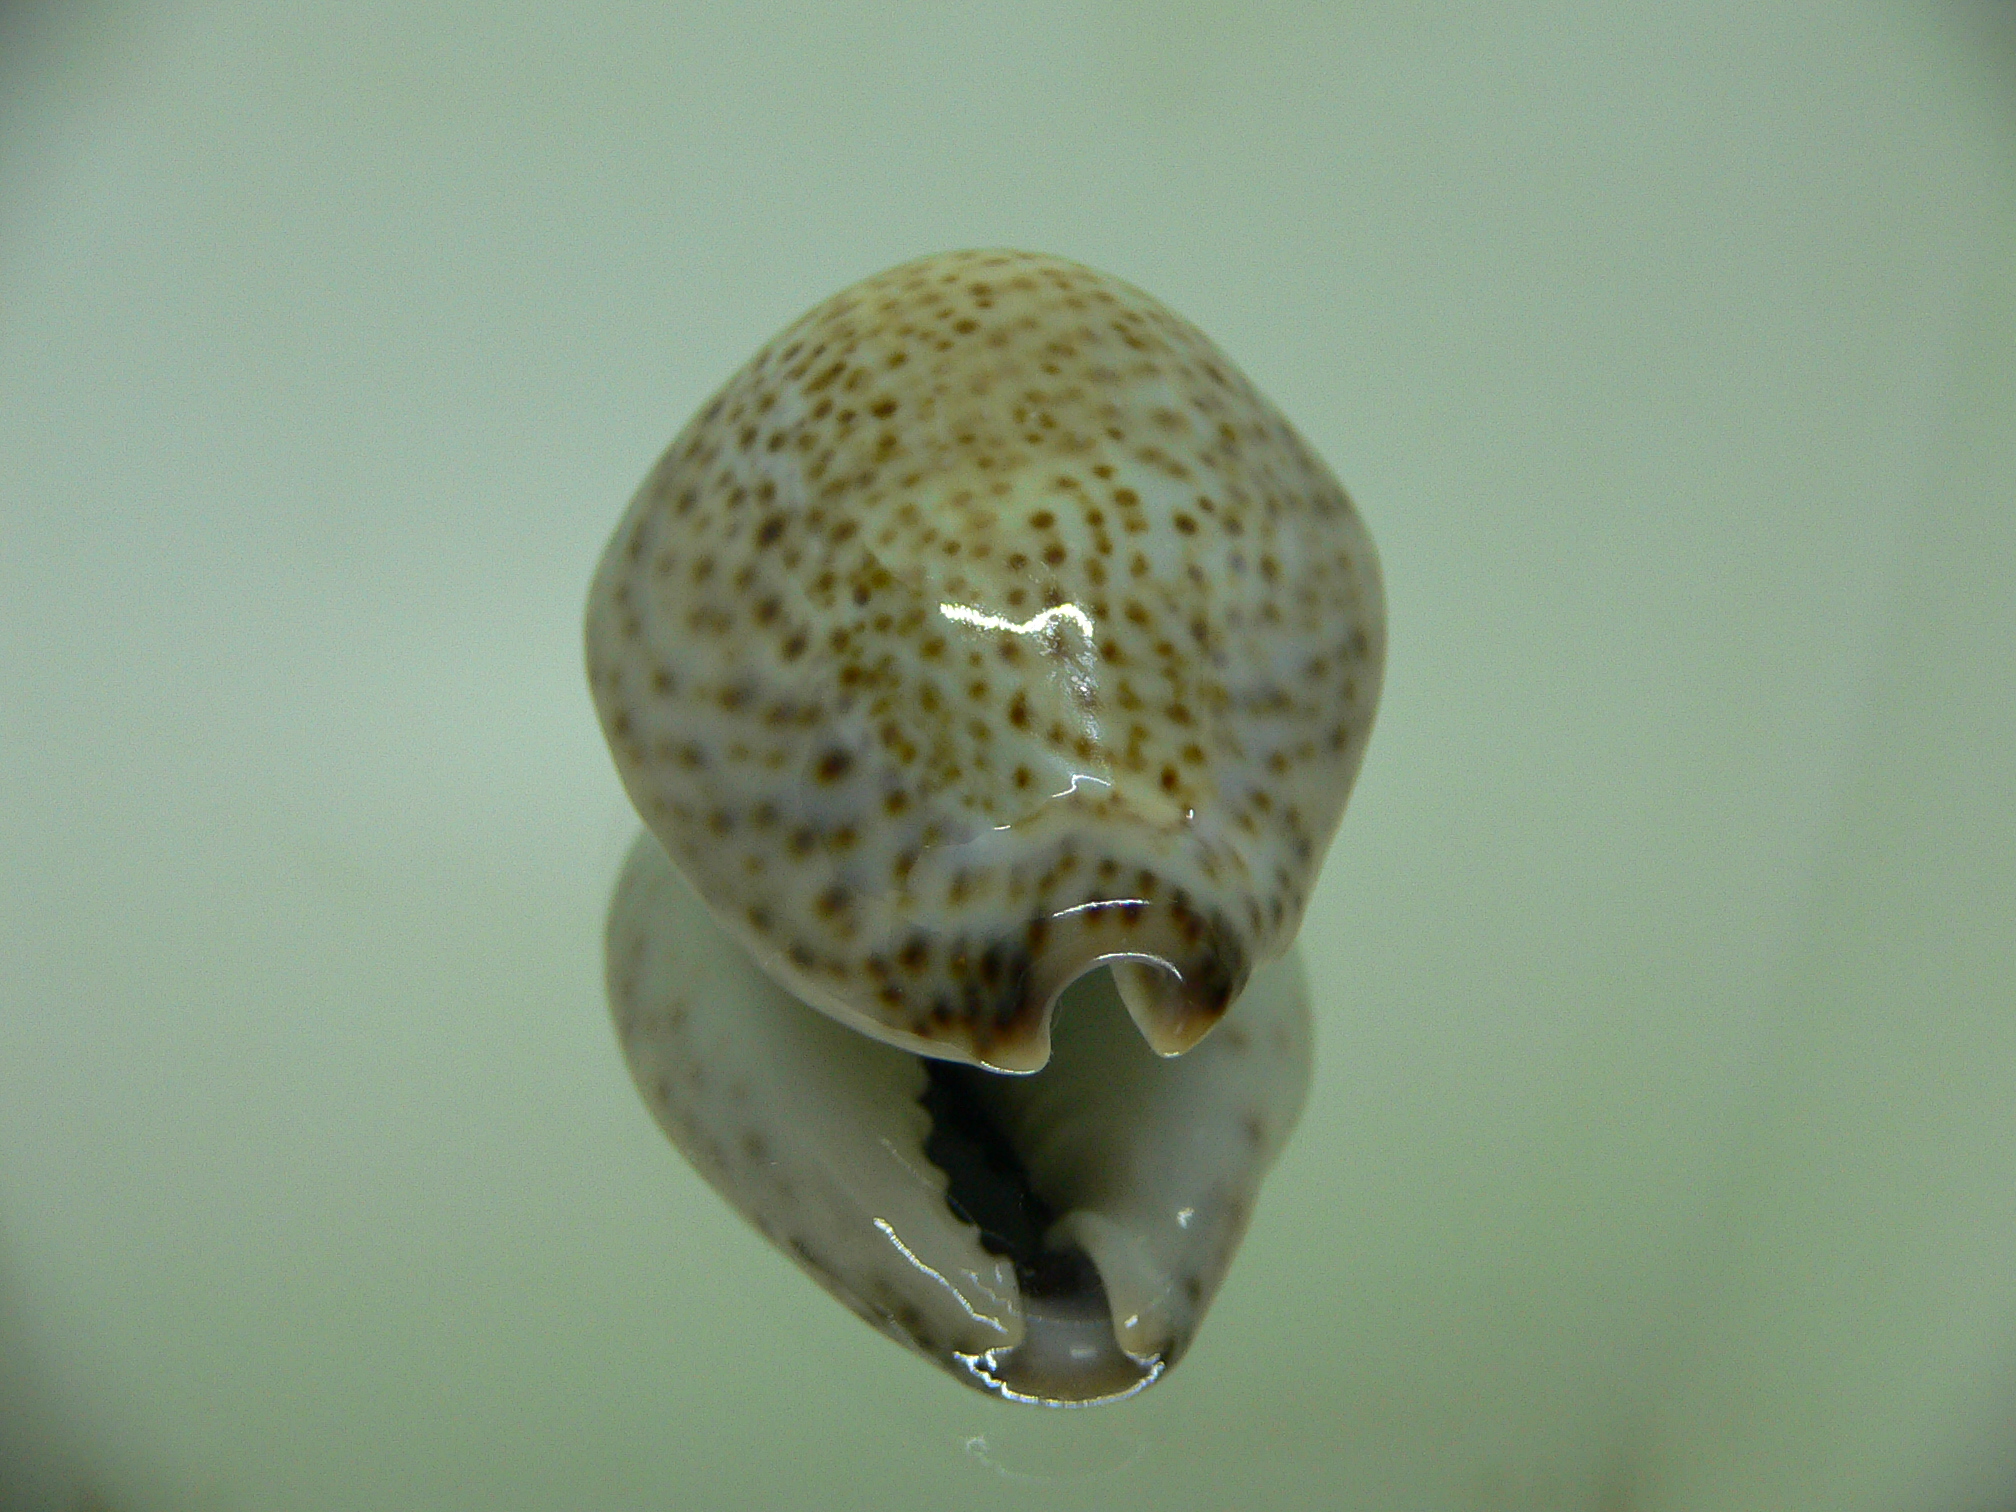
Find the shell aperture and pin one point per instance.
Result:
(987, 627)
(1146, 1170)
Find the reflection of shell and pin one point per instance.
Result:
(837, 1148)
(986, 627)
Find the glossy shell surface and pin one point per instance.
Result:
(1122, 1186)
(986, 627)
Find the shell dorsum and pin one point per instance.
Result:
(986, 627)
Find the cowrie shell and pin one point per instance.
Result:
(986, 628)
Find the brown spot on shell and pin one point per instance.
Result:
(1128, 547)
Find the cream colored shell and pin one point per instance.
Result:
(987, 626)
(824, 1139)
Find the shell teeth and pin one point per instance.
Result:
(1052, 1238)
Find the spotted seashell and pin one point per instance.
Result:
(1052, 1238)
(989, 626)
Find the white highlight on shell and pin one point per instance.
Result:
(1034, 625)
(817, 1136)
(828, 644)
(889, 1232)
(979, 532)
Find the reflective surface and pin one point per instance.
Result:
(1052, 1239)
(1657, 1152)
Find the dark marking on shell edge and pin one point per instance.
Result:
(989, 996)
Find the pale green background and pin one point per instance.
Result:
(1662, 1149)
